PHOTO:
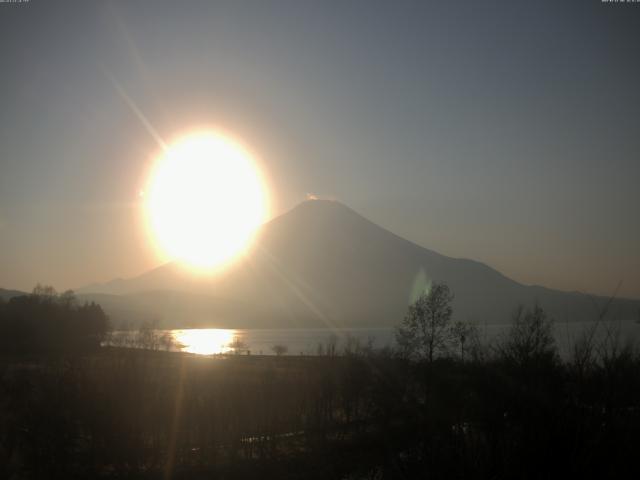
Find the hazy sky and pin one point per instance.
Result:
(507, 132)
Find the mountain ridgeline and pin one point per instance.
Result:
(323, 265)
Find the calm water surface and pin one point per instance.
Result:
(313, 341)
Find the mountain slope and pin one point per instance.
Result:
(8, 294)
(322, 264)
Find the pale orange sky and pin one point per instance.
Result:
(488, 133)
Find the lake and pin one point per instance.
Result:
(314, 341)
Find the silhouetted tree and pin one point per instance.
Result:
(279, 350)
(354, 347)
(530, 339)
(332, 345)
(147, 337)
(237, 346)
(329, 347)
(68, 298)
(46, 321)
(167, 341)
(44, 292)
(461, 334)
(423, 332)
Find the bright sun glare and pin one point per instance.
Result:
(205, 200)
(206, 341)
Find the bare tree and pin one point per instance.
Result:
(461, 334)
(146, 337)
(530, 338)
(280, 350)
(68, 298)
(423, 332)
(329, 347)
(167, 341)
(46, 293)
(238, 346)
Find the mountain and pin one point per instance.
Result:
(8, 294)
(322, 264)
(172, 309)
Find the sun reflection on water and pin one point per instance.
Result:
(205, 341)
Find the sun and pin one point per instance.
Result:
(205, 200)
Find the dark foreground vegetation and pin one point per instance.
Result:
(511, 410)
(48, 322)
